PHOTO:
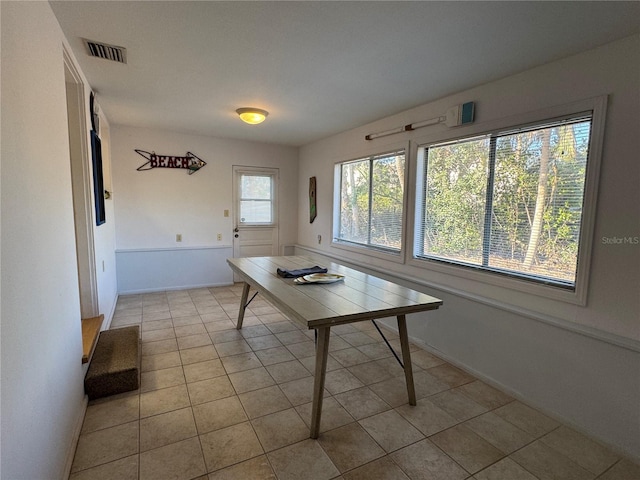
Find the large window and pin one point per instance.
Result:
(371, 199)
(510, 202)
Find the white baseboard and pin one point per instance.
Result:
(71, 451)
(179, 287)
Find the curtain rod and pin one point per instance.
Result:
(406, 128)
(456, 116)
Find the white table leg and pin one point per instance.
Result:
(406, 358)
(322, 352)
(243, 305)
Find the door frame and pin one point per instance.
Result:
(275, 174)
(81, 186)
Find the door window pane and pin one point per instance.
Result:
(256, 199)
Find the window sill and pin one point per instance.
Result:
(575, 297)
(396, 257)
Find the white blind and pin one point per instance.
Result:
(509, 202)
(537, 200)
(454, 200)
(256, 199)
(372, 199)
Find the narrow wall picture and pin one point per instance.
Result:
(312, 199)
(98, 181)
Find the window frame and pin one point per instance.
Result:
(260, 172)
(597, 108)
(396, 256)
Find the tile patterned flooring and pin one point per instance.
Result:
(216, 403)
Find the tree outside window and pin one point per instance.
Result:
(510, 202)
(371, 201)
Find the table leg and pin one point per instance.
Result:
(406, 358)
(322, 352)
(243, 305)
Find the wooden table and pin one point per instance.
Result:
(357, 298)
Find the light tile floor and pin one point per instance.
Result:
(216, 403)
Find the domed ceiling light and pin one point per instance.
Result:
(251, 115)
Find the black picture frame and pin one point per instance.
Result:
(98, 181)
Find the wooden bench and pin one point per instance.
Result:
(90, 331)
(115, 365)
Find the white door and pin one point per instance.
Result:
(255, 211)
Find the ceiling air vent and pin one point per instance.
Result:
(108, 52)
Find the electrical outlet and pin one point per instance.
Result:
(178, 237)
(226, 213)
(219, 237)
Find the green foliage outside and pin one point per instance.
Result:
(536, 204)
(379, 222)
(529, 223)
(455, 200)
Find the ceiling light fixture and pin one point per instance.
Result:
(252, 116)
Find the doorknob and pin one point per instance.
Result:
(235, 230)
(236, 235)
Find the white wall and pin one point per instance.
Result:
(579, 363)
(42, 375)
(153, 206)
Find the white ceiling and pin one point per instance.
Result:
(318, 67)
